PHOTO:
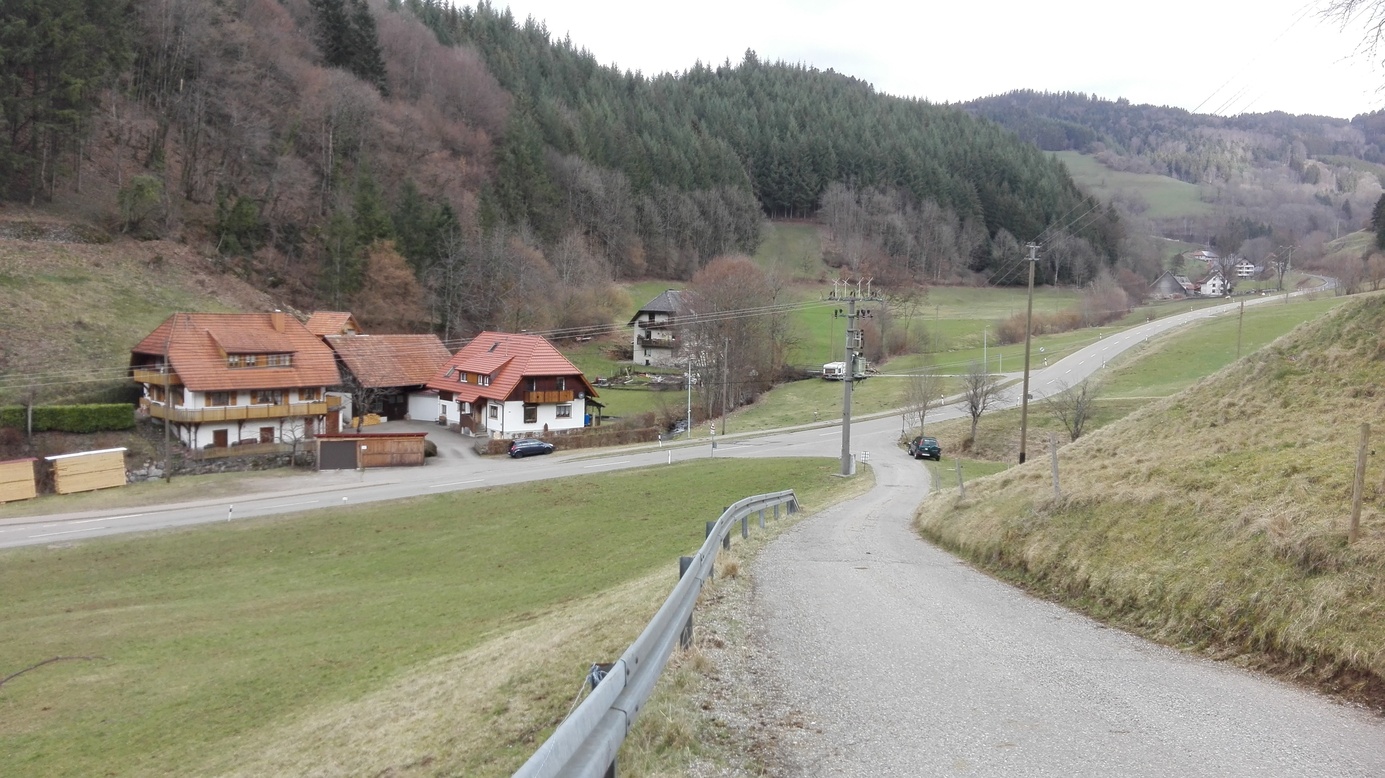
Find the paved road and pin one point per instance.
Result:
(902, 661)
(455, 470)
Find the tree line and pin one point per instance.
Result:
(322, 145)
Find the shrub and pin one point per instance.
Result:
(71, 418)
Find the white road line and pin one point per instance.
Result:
(457, 483)
(108, 518)
(291, 504)
(605, 464)
(64, 532)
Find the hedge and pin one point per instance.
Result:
(71, 418)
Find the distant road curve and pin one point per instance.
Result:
(334, 488)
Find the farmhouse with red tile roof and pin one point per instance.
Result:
(504, 385)
(226, 378)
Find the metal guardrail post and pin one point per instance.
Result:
(745, 527)
(762, 518)
(685, 639)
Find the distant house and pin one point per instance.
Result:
(1214, 284)
(390, 373)
(504, 385)
(1246, 269)
(656, 340)
(324, 323)
(1169, 286)
(225, 378)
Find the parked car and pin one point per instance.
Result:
(925, 448)
(524, 447)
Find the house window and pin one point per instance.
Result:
(531, 414)
(565, 411)
(233, 360)
(267, 397)
(463, 407)
(250, 360)
(533, 384)
(221, 399)
(310, 394)
(279, 360)
(483, 380)
(495, 411)
(562, 383)
(461, 376)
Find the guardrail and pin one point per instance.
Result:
(585, 744)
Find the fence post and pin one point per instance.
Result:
(1359, 484)
(685, 639)
(961, 487)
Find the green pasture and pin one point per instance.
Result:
(194, 642)
(1167, 197)
(792, 251)
(1172, 363)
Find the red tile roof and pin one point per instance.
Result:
(511, 358)
(323, 323)
(197, 345)
(390, 360)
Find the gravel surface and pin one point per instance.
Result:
(872, 653)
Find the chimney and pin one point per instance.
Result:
(276, 319)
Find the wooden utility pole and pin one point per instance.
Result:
(1028, 328)
(1359, 484)
(1240, 325)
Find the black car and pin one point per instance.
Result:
(524, 447)
(925, 448)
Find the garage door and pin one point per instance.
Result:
(337, 455)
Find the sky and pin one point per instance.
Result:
(1210, 56)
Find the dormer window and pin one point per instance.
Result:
(259, 360)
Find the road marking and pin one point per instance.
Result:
(604, 464)
(291, 504)
(457, 483)
(108, 518)
(64, 532)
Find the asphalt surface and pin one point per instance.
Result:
(900, 660)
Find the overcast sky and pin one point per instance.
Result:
(1212, 56)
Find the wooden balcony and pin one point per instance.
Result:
(237, 412)
(542, 398)
(156, 376)
(648, 342)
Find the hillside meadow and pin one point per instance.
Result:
(1214, 518)
(450, 631)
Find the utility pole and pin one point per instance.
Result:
(168, 403)
(853, 348)
(725, 371)
(1028, 328)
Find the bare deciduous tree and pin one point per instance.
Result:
(921, 395)
(980, 390)
(1073, 405)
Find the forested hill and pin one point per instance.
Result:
(478, 173)
(1191, 147)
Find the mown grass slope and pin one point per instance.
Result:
(1216, 518)
(448, 631)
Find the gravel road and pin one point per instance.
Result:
(893, 658)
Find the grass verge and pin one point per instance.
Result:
(443, 634)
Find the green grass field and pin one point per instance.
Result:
(1167, 197)
(200, 641)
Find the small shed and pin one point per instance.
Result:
(350, 451)
(88, 470)
(17, 480)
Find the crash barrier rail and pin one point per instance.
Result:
(585, 744)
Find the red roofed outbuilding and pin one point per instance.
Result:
(505, 385)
